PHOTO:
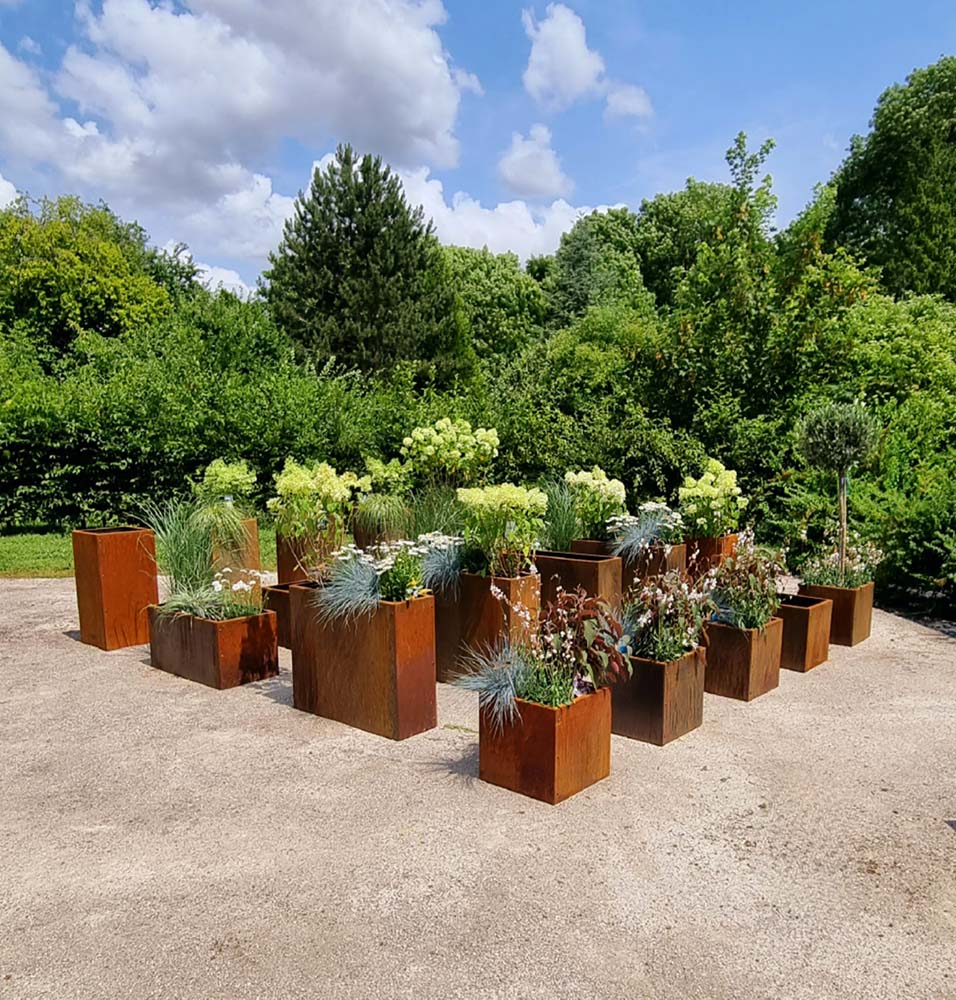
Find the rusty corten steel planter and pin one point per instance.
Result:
(276, 599)
(852, 611)
(116, 581)
(661, 701)
(806, 631)
(376, 673)
(219, 654)
(475, 619)
(704, 554)
(743, 663)
(658, 560)
(247, 556)
(599, 575)
(549, 753)
(288, 560)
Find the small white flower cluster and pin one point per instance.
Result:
(243, 584)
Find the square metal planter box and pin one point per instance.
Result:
(660, 559)
(599, 575)
(704, 554)
(806, 631)
(661, 701)
(549, 753)
(277, 599)
(116, 581)
(852, 611)
(743, 663)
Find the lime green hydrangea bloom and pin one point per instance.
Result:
(711, 506)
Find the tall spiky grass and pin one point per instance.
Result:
(381, 516)
(184, 544)
(436, 509)
(561, 524)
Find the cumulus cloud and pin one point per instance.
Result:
(531, 167)
(30, 46)
(8, 192)
(561, 68)
(215, 278)
(627, 100)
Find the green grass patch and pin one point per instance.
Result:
(51, 554)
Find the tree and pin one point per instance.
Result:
(504, 305)
(359, 274)
(834, 438)
(596, 264)
(670, 229)
(895, 203)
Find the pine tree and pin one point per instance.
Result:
(359, 274)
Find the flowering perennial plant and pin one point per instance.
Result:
(711, 506)
(654, 524)
(744, 587)
(575, 648)
(861, 562)
(221, 480)
(501, 527)
(666, 619)
(449, 451)
(597, 499)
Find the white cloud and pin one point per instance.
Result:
(8, 192)
(512, 226)
(215, 278)
(531, 167)
(627, 100)
(30, 46)
(561, 68)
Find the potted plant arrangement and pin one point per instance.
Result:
(383, 514)
(711, 508)
(211, 627)
(500, 527)
(369, 658)
(649, 543)
(744, 637)
(835, 438)
(449, 452)
(597, 499)
(806, 631)
(116, 581)
(226, 488)
(664, 697)
(600, 575)
(545, 708)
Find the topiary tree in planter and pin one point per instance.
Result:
(834, 438)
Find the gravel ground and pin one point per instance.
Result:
(164, 840)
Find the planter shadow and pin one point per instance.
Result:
(461, 766)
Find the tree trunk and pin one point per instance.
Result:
(843, 526)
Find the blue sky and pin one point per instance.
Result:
(203, 118)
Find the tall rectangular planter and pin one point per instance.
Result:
(116, 581)
(661, 701)
(852, 611)
(219, 654)
(376, 673)
(743, 663)
(277, 599)
(475, 619)
(288, 558)
(704, 554)
(806, 631)
(598, 575)
(549, 753)
(660, 559)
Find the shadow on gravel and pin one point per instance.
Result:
(277, 689)
(74, 634)
(460, 766)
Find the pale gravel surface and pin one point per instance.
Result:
(162, 840)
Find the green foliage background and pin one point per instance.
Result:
(647, 342)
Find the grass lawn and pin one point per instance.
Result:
(52, 554)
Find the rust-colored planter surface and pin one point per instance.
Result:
(116, 581)
(661, 701)
(599, 575)
(743, 663)
(703, 554)
(852, 611)
(660, 559)
(376, 673)
(288, 556)
(218, 654)
(277, 599)
(806, 631)
(549, 753)
(475, 619)
(247, 557)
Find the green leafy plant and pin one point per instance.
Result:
(835, 438)
(222, 480)
(597, 498)
(575, 648)
(392, 477)
(561, 524)
(666, 619)
(501, 526)
(711, 506)
(654, 524)
(744, 587)
(852, 566)
(381, 516)
(449, 451)
(436, 509)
